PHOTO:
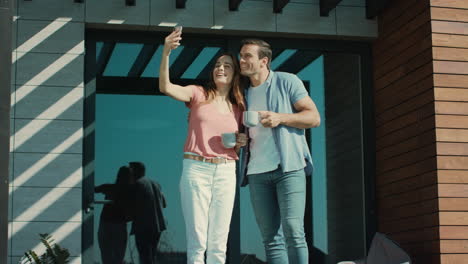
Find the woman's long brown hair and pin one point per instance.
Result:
(238, 84)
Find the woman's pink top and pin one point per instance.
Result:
(206, 124)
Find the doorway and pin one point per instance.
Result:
(127, 119)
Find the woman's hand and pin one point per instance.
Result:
(178, 92)
(241, 140)
(172, 41)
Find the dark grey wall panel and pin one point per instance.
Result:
(345, 184)
(6, 11)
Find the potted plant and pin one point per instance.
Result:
(54, 253)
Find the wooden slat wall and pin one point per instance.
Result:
(449, 23)
(406, 159)
(421, 108)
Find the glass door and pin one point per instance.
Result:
(127, 119)
(130, 121)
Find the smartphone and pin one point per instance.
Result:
(178, 28)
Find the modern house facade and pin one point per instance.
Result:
(390, 79)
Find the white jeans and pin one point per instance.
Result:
(207, 193)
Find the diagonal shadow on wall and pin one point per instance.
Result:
(45, 189)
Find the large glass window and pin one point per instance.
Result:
(131, 121)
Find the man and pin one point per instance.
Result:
(148, 220)
(277, 159)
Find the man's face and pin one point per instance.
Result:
(250, 63)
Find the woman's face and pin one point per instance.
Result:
(223, 71)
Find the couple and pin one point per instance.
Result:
(274, 162)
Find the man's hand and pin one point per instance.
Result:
(306, 116)
(269, 119)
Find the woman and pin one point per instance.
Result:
(208, 181)
(112, 232)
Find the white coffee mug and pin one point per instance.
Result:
(229, 140)
(251, 118)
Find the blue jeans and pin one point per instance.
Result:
(278, 200)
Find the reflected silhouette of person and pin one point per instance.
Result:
(112, 232)
(148, 219)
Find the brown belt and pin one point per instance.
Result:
(215, 160)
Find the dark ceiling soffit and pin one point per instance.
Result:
(135, 85)
(144, 57)
(180, 4)
(130, 2)
(278, 5)
(375, 7)
(234, 5)
(104, 56)
(327, 5)
(183, 61)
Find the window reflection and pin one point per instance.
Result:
(148, 129)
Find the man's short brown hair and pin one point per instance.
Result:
(264, 49)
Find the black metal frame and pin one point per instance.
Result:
(91, 69)
(147, 86)
(6, 12)
(328, 5)
(234, 5)
(373, 7)
(130, 2)
(180, 4)
(278, 5)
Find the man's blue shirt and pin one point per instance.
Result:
(283, 91)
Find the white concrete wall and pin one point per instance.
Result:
(48, 89)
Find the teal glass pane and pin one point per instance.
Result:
(285, 55)
(150, 129)
(98, 49)
(152, 70)
(122, 59)
(314, 74)
(200, 62)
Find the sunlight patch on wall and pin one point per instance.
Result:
(167, 24)
(40, 37)
(51, 113)
(47, 159)
(77, 260)
(49, 198)
(49, 71)
(115, 21)
(58, 235)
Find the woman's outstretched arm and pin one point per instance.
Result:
(178, 92)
